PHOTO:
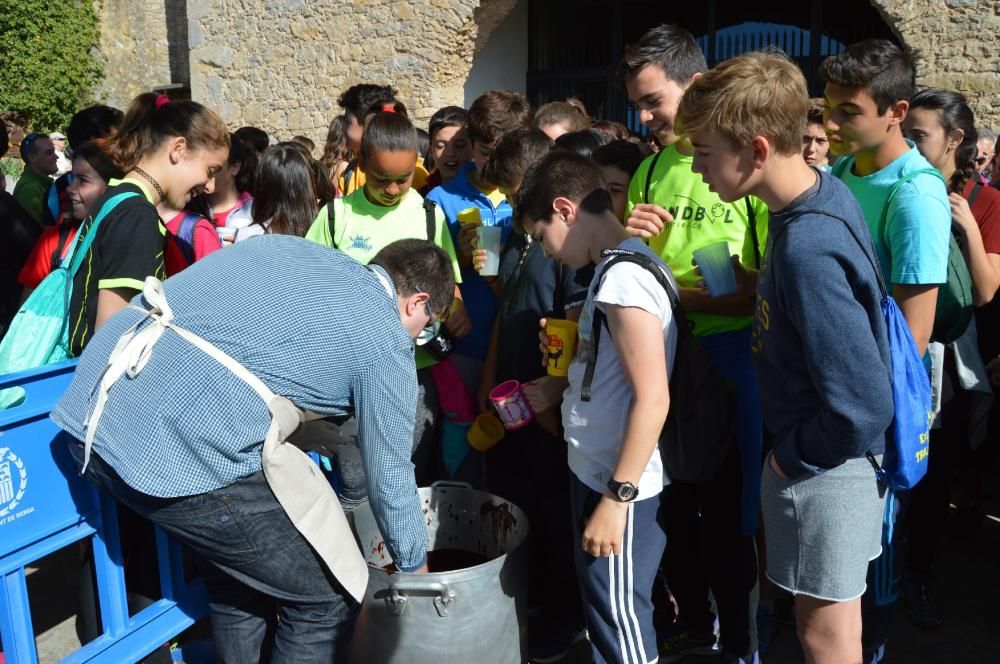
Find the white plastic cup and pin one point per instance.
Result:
(488, 238)
(717, 269)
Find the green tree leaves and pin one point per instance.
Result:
(48, 63)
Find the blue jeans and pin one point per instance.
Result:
(270, 597)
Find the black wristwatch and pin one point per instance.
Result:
(623, 492)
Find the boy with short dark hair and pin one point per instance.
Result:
(710, 524)
(867, 91)
(612, 437)
(815, 144)
(491, 115)
(827, 405)
(867, 94)
(450, 148)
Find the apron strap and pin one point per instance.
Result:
(302, 490)
(135, 347)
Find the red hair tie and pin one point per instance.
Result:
(161, 100)
(388, 108)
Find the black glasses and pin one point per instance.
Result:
(433, 323)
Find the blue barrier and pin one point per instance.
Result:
(45, 506)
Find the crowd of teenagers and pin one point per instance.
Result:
(315, 280)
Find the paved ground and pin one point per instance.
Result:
(968, 591)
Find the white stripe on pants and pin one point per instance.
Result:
(617, 591)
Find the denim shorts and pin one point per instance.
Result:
(822, 530)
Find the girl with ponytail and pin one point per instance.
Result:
(169, 151)
(942, 125)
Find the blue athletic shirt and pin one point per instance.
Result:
(480, 302)
(913, 244)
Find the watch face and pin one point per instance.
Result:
(626, 492)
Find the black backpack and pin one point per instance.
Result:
(430, 219)
(701, 423)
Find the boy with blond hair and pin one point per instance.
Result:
(826, 404)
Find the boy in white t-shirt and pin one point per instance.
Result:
(612, 438)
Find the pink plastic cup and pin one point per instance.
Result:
(511, 405)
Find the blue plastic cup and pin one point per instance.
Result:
(716, 269)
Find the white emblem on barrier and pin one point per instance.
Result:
(13, 481)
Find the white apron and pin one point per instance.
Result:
(297, 483)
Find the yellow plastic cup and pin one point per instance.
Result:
(562, 345)
(470, 216)
(486, 431)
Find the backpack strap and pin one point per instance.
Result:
(752, 222)
(600, 319)
(83, 242)
(331, 222)
(184, 238)
(867, 249)
(839, 167)
(430, 217)
(348, 174)
(57, 254)
(649, 175)
(899, 185)
(976, 188)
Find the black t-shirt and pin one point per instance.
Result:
(18, 234)
(533, 287)
(127, 249)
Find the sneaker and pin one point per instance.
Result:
(920, 604)
(687, 644)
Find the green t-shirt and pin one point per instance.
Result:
(700, 218)
(363, 229)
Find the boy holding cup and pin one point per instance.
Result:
(612, 435)
(528, 467)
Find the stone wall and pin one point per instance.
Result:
(955, 45)
(280, 64)
(133, 48)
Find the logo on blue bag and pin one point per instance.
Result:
(13, 482)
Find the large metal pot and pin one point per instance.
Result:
(474, 614)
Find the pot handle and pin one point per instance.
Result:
(445, 484)
(396, 598)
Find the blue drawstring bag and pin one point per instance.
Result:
(907, 441)
(904, 462)
(39, 333)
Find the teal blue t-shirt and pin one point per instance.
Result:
(912, 246)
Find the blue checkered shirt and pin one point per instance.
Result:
(315, 326)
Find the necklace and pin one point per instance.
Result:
(156, 185)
